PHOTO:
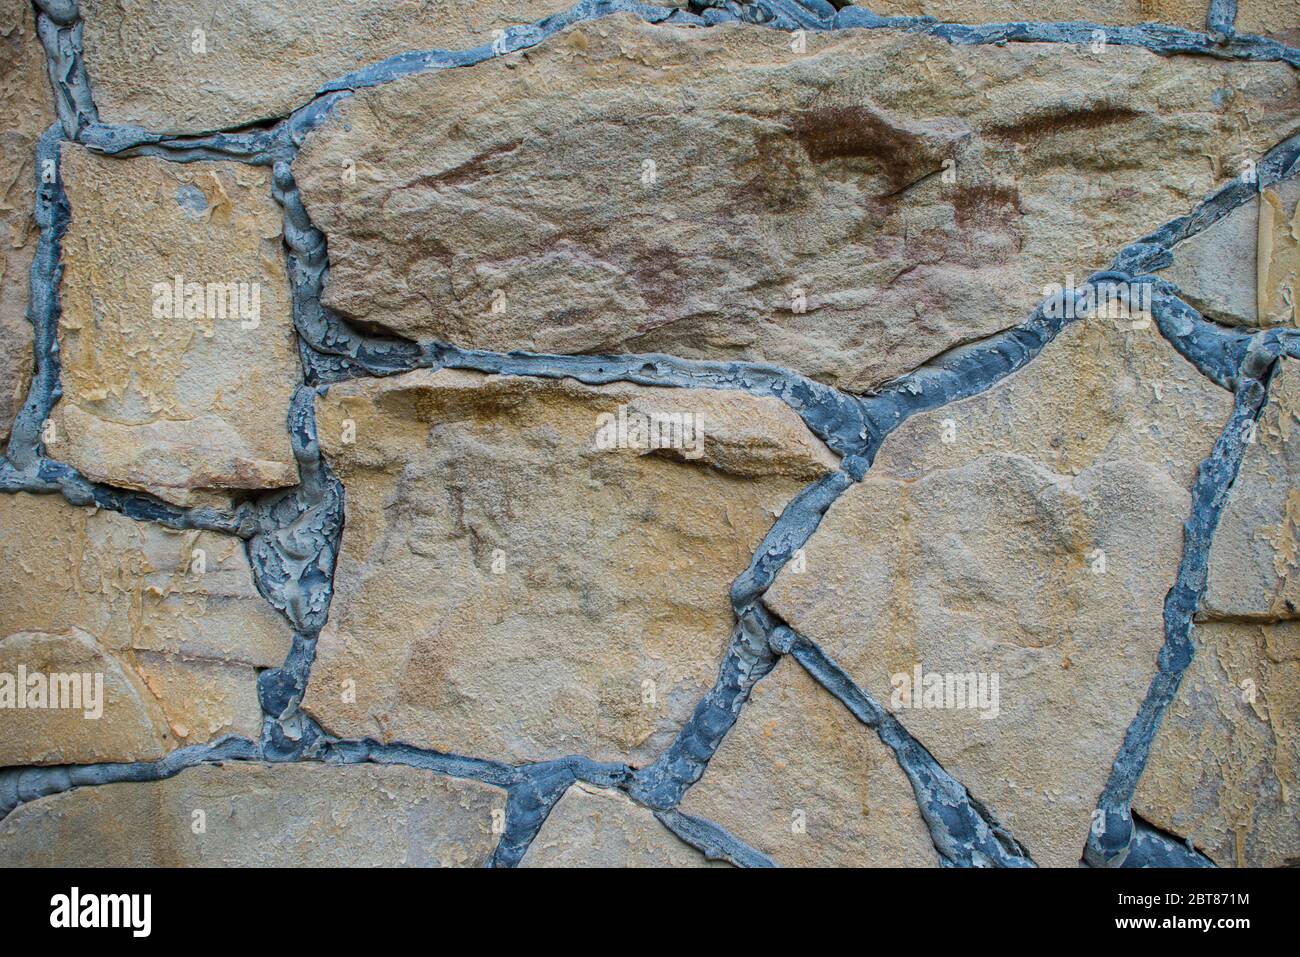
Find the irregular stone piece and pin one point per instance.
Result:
(1179, 13)
(1215, 270)
(25, 113)
(182, 396)
(1223, 767)
(800, 779)
(1256, 549)
(1035, 549)
(713, 194)
(1279, 19)
(509, 589)
(596, 827)
(263, 58)
(88, 591)
(261, 815)
(1279, 253)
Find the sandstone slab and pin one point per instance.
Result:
(1035, 549)
(1279, 19)
(179, 648)
(800, 779)
(596, 827)
(260, 815)
(1224, 766)
(1215, 270)
(714, 194)
(181, 393)
(1179, 13)
(25, 113)
(507, 588)
(1278, 263)
(1256, 548)
(261, 59)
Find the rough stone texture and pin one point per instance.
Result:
(614, 565)
(1279, 19)
(259, 815)
(1279, 254)
(1179, 13)
(1256, 549)
(1216, 270)
(796, 750)
(264, 57)
(523, 177)
(182, 407)
(982, 556)
(595, 827)
(89, 591)
(1223, 768)
(25, 112)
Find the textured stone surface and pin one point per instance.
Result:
(1279, 19)
(773, 171)
(1256, 549)
(184, 407)
(983, 556)
(1215, 270)
(798, 758)
(1224, 766)
(595, 827)
(606, 620)
(88, 591)
(264, 57)
(25, 113)
(1179, 13)
(1279, 254)
(259, 815)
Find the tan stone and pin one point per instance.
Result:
(1179, 13)
(25, 113)
(1037, 547)
(1215, 270)
(1279, 19)
(1256, 547)
(260, 815)
(510, 205)
(1223, 767)
(1278, 280)
(800, 779)
(263, 58)
(187, 406)
(607, 615)
(91, 591)
(596, 827)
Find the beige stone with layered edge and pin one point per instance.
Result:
(848, 212)
(91, 592)
(185, 396)
(507, 588)
(261, 815)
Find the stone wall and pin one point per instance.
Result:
(459, 433)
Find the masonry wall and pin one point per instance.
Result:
(505, 433)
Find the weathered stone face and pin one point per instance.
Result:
(596, 827)
(259, 815)
(1180, 13)
(800, 779)
(627, 187)
(25, 113)
(263, 58)
(508, 589)
(1037, 547)
(1223, 767)
(1256, 548)
(88, 591)
(1278, 282)
(182, 396)
(1279, 19)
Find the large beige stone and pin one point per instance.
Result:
(1224, 769)
(1279, 19)
(1215, 270)
(1256, 547)
(507, 589)
(1179, 13)
(796, 210)
(187, 403)
(1278, 263)
(1038, 548)
(25, 112)
(88, 591)
(596, 827)
(260, 815)
(802, 780)
(263, 58)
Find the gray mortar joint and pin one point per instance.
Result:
(292, 536)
